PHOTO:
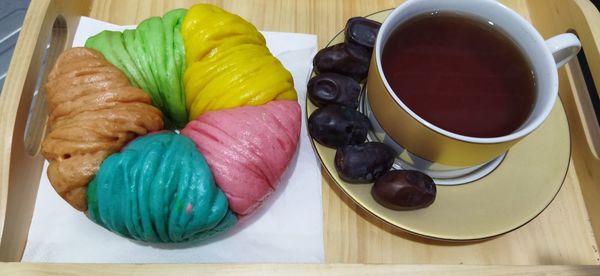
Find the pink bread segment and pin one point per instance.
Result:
(248, 149)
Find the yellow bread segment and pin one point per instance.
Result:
(221, 61)
(221, 66)
(228, 63)
(204, 47)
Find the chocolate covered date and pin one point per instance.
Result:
(332, 88)
(347, 59)
(361, 31)
(336, 126)
(363, 163)
(404, 190)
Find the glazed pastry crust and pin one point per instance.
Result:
(93, 112)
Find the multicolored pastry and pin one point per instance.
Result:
(200, 63)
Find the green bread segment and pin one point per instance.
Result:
(153, 58)
(159, 189)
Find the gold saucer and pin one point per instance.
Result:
(513, 194)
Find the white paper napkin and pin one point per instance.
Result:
(287, 228)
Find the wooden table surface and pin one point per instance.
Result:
(557, 237)
(352, 235)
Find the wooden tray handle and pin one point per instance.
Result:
(49, 29)
(582, 18)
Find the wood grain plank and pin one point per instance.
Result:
(560, 235)
(291, 270)
(353, 236)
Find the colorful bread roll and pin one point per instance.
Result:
(93, 112)
(248, 149)
(153, 58)
(228, 63)
(159, 189)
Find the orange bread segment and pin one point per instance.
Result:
(93, 112)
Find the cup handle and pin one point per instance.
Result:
(563, 47)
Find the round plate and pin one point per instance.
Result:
(518, 190)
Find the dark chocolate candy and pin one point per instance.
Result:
(332, 88)
(404, 190)
(336, 126)
(347, 59)
(363, 163)
(361, 31)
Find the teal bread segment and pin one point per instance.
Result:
(159, 189)
(153, 58)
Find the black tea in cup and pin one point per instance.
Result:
(460, 73)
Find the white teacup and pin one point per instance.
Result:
(436, 151)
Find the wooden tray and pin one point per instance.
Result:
(561, 240)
